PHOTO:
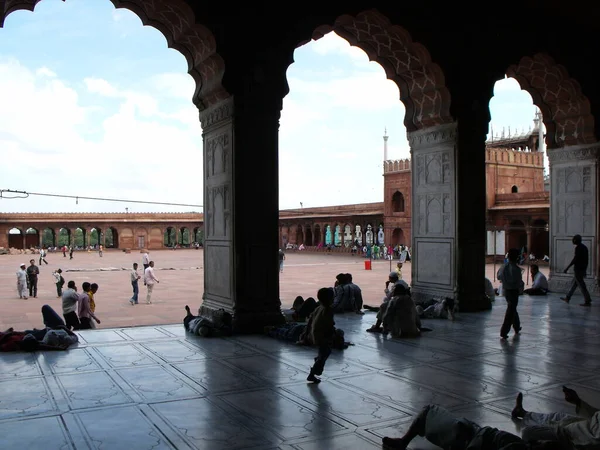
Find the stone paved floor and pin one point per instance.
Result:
(156, 388)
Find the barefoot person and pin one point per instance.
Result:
(572, 431)
(580, 265)
(442, 428)
(320, 330)
(511, 277)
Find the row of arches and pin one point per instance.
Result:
(109, 237)
(340, 235)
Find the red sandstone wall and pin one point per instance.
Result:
(398, 181)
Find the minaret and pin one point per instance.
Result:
(538, 120)
(385, 148)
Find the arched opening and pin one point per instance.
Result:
(328, 235)
(317, 239)
(398, 202)
(540, 239)
(48, 238)
(517, 235)
(64, 237)
(398, 237)
(170, 238)
(111, 238)
(337, 237)
(15, 238)
(299, 235)
(79, 238)
(185, 237)
(32, 238)
(95, 236)
(347, 235)
(514, 189)
(308, 237)
(199, 235)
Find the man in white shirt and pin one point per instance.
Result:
(22, 282)
(145, 263)
(540, 283)
(149, 280)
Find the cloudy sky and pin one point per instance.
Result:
(94, 104)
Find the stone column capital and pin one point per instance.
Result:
(574, 153)
(432, 136)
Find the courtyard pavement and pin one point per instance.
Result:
(181, 275)
(158, 388)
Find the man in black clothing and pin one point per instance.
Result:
(580, 264)
(32, 278)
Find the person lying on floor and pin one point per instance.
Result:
(300, 309)
(442, 428)
(580, 431)
(203, 326)
(296, 332)
(439, 310)
(55, 335)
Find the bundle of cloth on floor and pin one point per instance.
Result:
(218, 325)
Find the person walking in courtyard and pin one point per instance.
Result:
(134, 284)
(22, 282)
(281, 260)
(511, 277)
(580, 265)
(59, 281)
(32, 277)
(70, 299)
(145, 263)
(64, 250)
(100, 250)
(43, 256)
(320, 330)
(71, 252)
(149, 280)
(86, 315)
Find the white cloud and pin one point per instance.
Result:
(44, 71)
(132, 148)
(332, 44)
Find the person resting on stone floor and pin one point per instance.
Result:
(300, 309)
(439, 310)
(444, 429)
(55, 335)
(389, 291)
(401, 318)
(203, 326)
(376, 328)
(296, 332)
(580, 431)
(343, 298)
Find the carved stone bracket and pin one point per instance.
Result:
(574, 153)
(433, 136)
(217, 114)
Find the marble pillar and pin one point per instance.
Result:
(573, 210)
(434, 212)
(241, 211)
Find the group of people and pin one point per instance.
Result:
(27, 280)
(149, 279)
(79, 308)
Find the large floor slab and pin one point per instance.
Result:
(158, 388)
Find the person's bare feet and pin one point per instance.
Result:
(518, 412)
(394, 443)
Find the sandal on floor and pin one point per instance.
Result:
(374, 329)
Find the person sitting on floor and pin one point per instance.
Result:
(489, 290)
(440, 427)
(343, 300)
(389, 293)
(581, 431)
(296, 332)
(401, 318)
(358, 299)
(539, 284)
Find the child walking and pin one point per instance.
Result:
(59, 281)
(320, 330)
